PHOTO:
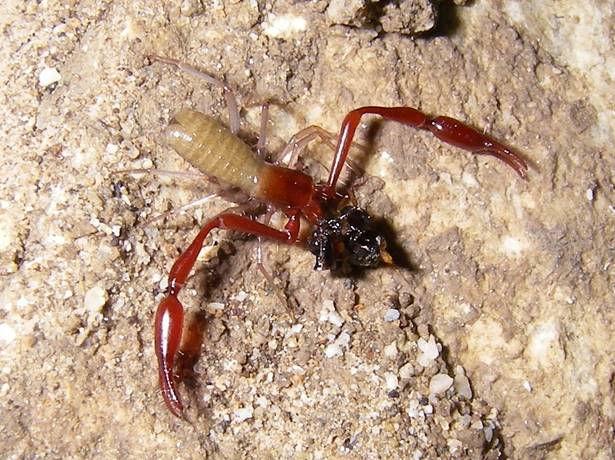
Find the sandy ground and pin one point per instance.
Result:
(496, 340)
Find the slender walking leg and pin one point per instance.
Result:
(297, 144)
(231, 100)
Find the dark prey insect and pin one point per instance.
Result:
(340, 235)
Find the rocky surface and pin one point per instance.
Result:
(496, 339)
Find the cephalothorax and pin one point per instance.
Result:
(341, 234)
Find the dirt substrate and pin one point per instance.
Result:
(493, 338)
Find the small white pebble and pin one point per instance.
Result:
(9, 268)
(112, 149)
(439, 383)
(22, 302)
(469, 180)
(527, 385)
(386, 156)
(232, 365)
(284, 25)
(261, 401)
(48, 76)
(59, 29)
(96, 223)
(243, 414)
(391, 315)
(296, 328)
(344, 338)
(7, 333)
(332, 350)
(589, 194)
(428, 409)
(429, 351)
(298, 370)
(390, 380)
(95, 299)
(454, 445)
(4, 389)
(215, 306)
(406, 371)
(390, 351)
(329, 314)
(512, 245)
(147, 163)
(446, 178)
(164, 284)
(336, 347)
(336, 319)
(240, 296)
(413, 409)
(328, 304)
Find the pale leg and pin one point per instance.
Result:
(229, 95)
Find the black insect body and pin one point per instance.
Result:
(351, 238)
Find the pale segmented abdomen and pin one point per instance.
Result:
(210, 147)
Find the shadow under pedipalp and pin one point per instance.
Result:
(193, 338)
(401, 258)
